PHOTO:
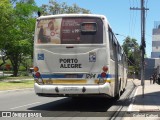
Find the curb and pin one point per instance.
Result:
(132, 101)
(133, 96)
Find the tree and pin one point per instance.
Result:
(132, 51)
(5, 12)
(22, 32)
(17, 43)
(60, 8)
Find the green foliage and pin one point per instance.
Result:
(55, 7)
(131, 49)
(22, 68)
(17, 39)
(24, 73)
(5, 12)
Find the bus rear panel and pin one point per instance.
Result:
(71, 56)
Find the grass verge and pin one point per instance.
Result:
(15, 78)
(11, 85)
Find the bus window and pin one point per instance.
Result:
(119, 54)
(81, 30)
(111, 44)
(89, 27)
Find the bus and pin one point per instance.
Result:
(77, 55)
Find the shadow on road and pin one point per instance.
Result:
(81, 105)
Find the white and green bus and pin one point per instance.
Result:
(77, 55)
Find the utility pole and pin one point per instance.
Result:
(143, 43)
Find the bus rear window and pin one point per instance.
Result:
(71, 30)
(89, 27)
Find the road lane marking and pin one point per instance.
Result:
(25, 105)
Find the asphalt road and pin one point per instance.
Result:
(59, 108)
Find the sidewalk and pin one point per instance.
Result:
(147, 107)
(3, 74)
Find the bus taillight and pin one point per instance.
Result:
(105, 68)
(103, 75)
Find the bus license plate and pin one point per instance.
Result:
(68, 89)
(71, 76)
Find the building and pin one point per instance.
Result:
(156, 40)
(152, 64)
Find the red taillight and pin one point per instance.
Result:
(105, 68)
(103, 74)
(38, 75)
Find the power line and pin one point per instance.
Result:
(133, 18)
(143, 43)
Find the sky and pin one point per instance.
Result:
(123, 21)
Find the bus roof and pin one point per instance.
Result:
(72, 15)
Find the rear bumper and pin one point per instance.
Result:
(72, 90)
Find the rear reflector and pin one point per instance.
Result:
(101, 80)
(38, 75)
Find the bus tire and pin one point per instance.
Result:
(119, 92)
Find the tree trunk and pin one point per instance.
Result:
(15, 71)
(15, 60)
